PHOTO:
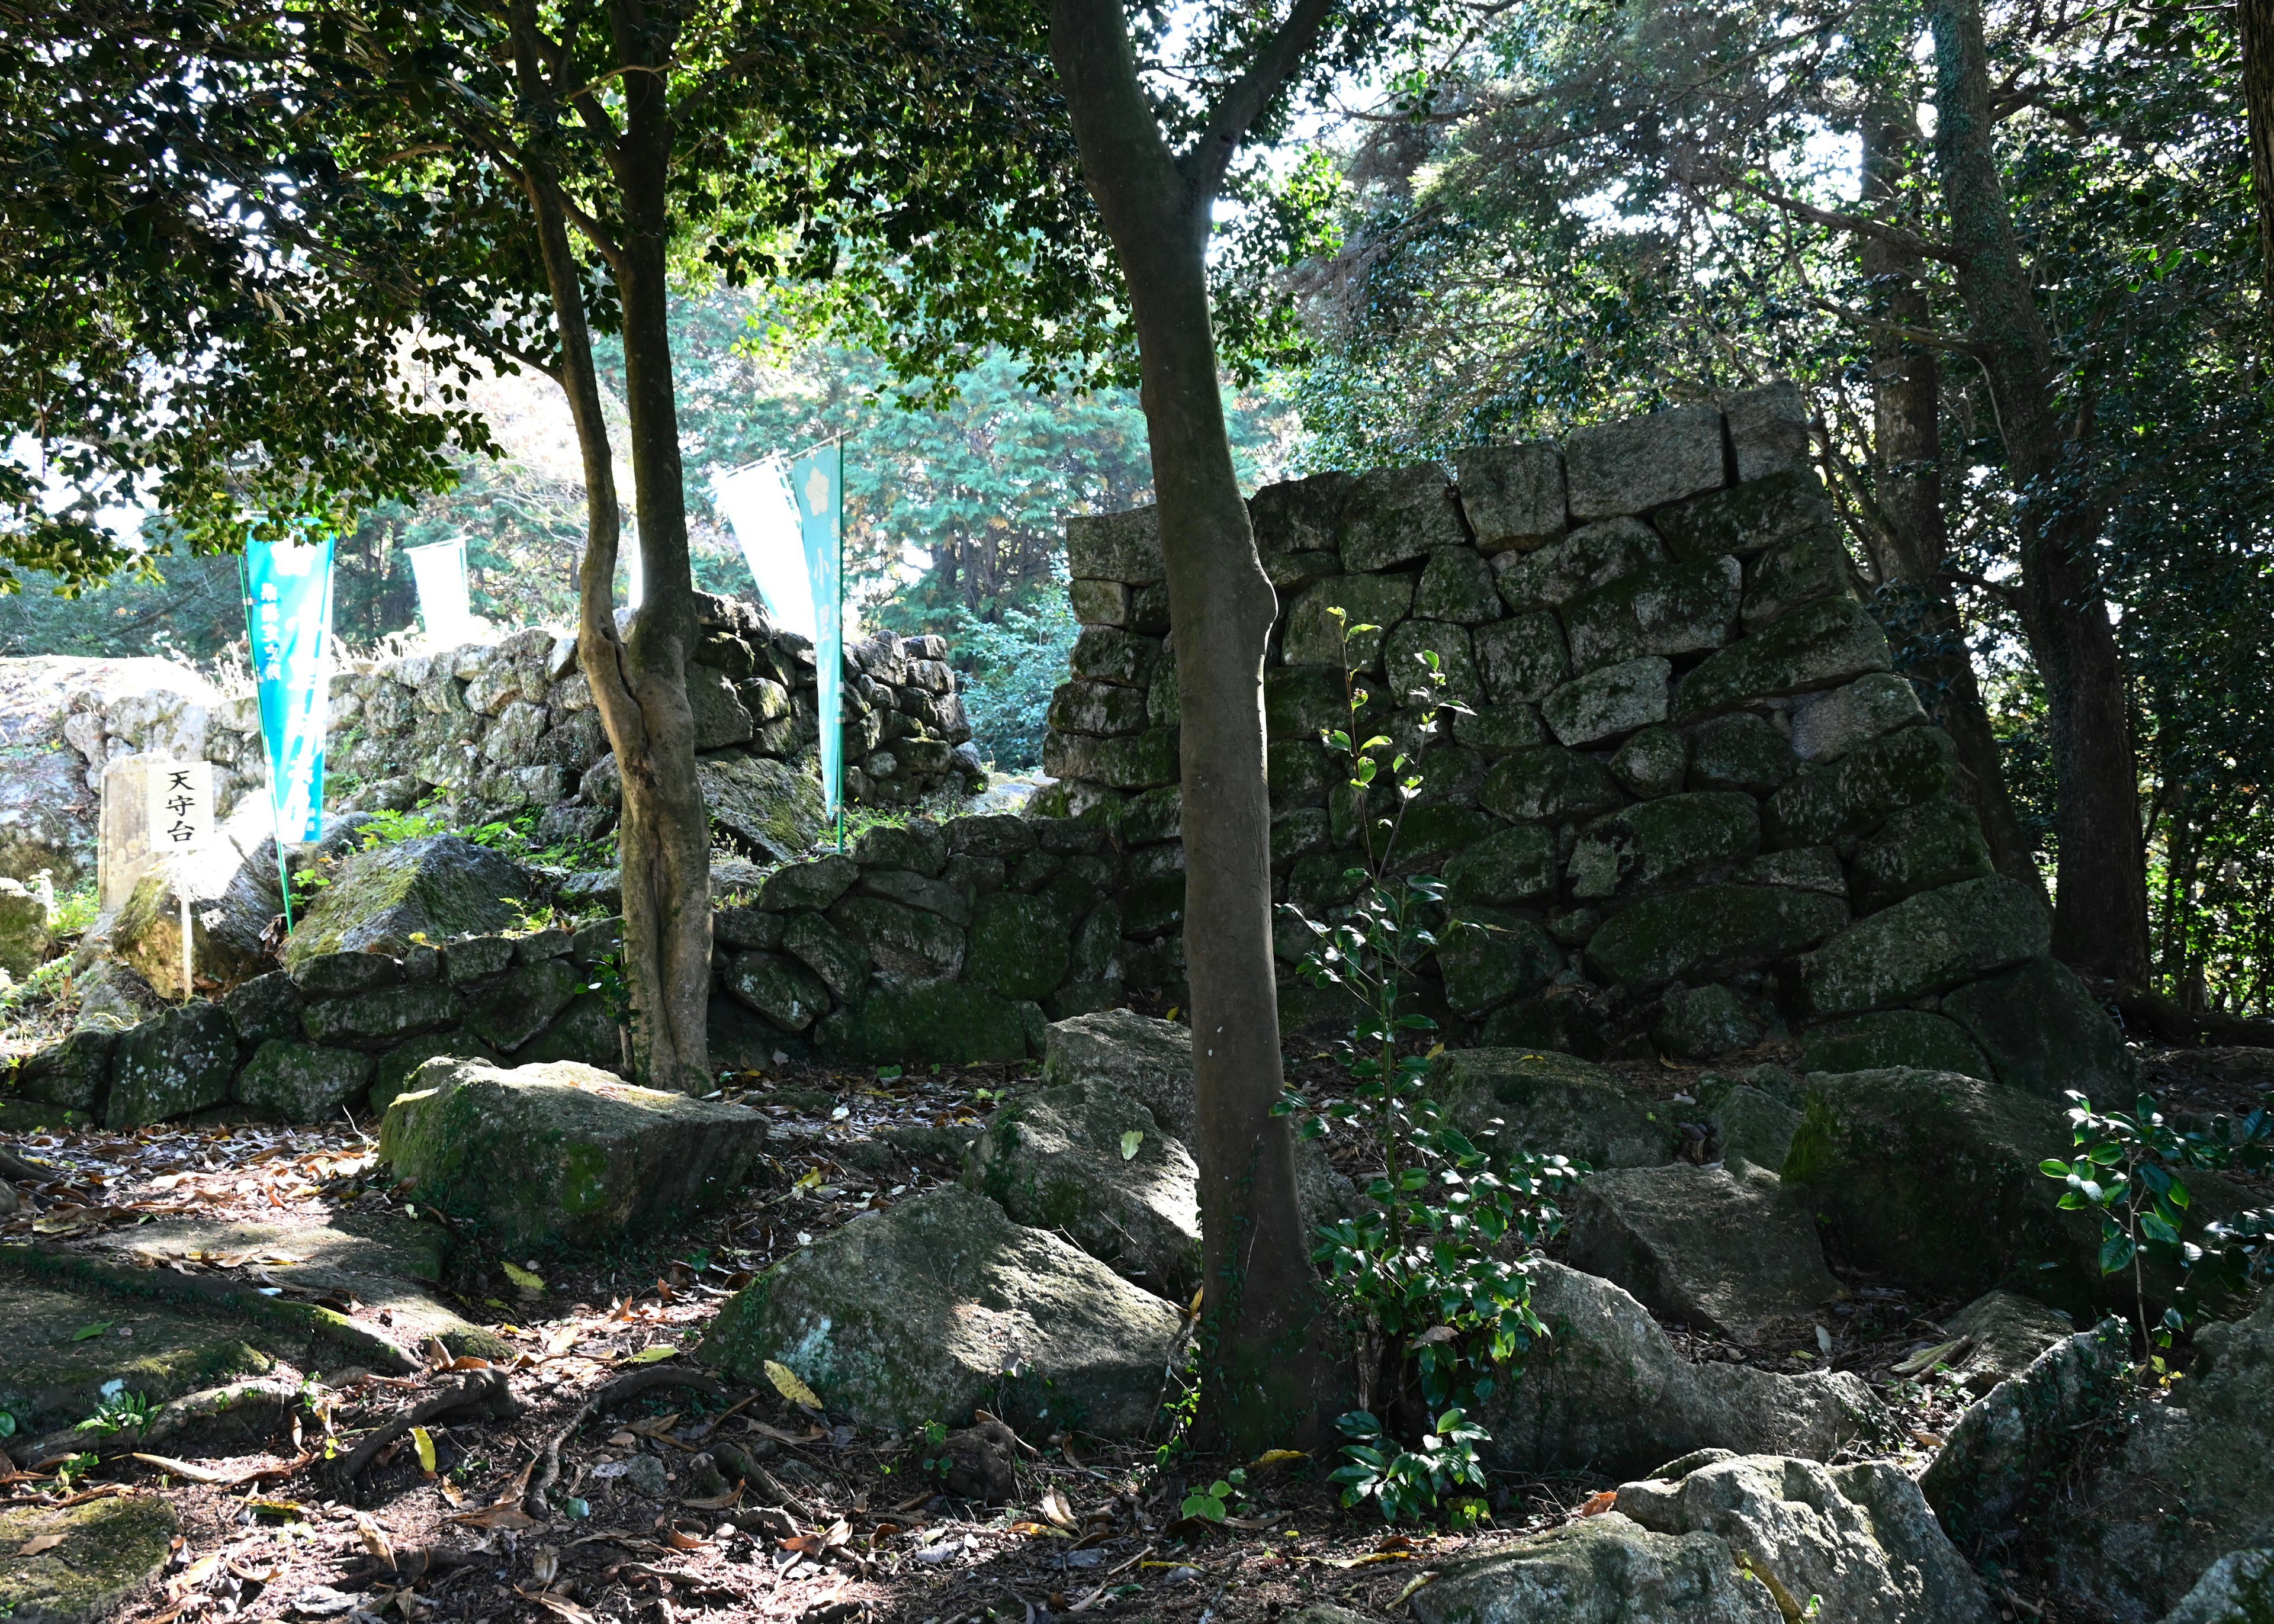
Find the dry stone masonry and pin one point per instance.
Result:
(1692, 806)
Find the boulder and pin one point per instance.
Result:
(1749, 518)
(1701, 1023)
(2189, 1485)
(1609, 1393)
(392, 1071)
(923, 1312)
(2000, 1465)
(435, 887)
(1603, 1569)
(1935, 843)
(1740, 751)
(1827, 642)
(1704, 1247)
(2044, 1033)
(302, 1084)
(72, 1072)
(1608, 703)
(267, 1006)
(953, 1022)
(1827, 726)
(1393, 515)
(563, 1153)
(520, 1004)
(381, 1019)
(1486, 957)
(1752, 1129)
(1021, 946)
(168, 1067)
(1652, 763)
(1710, 931)
(1549, 785)
(226, 923)
(1684, 607)
(1884, 1037)
(1522, 660)
(1313, 637)
(1846, 1545)
(781, 989)
(1640, 848)
(586, 1032)
(113, 995)
(1148, 1059)
(1998, 1337)
(1536, 1100)
(1515, 864)
(2239, 1588)
(1512, 496)
(1456, 586)
(1925, 944)
(77, 1564)
(908, 946)
(766, 806)
(1087, 1162)
(1638, 464)
(1115, 546)
(25, 938)
(1858, 792)
(1812, 565)
(1592, 556)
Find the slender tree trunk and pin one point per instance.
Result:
(638, 677)
(1907, 439)
(2258, 19)
(2100, 917)
(1258, 1361)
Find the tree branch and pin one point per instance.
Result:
(1244, 100)
(1926, 336)
(1893, 236)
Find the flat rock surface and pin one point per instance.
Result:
(78, 1564)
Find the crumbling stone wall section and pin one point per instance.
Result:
(1691, 807)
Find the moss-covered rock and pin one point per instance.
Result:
(1603, 1566)
(1707, 932)
(1557, 1104)
(1827, 642)
(915, 1314)
(1746, 518)
(301, 1083)
(1511, 864)
(1558, 1019)
(1087, 1162)
(1549, 785)
(766, 806)
(79, 1564)
(907, 944)
(1486, 957)
(393, 1070)
(586, 1032)
(1589, 557)
(1927, 944)
(1678, 608)
(1456, 585)
(1139, 761)
(2044, 1034)
(1641, 847)
(1740, 751)
(1608, 703)
(383, 1018)
(1827, 726)
(1405, 671)
(436, 887)
(814, 884)
(781, 989)
(73, 1073)
(166, 1068)
(1703, 1023)
(1313, 638)
(950, 1021)
(1523, 658)
(1861, 792)
(1019, 945)
(520, 1004)
(1885, 1038)
(1651, 764)
(1937, 842)
(1810, 566)
(563, 1153)
(265, 1007)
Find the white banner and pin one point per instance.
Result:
(757, 501)
(444, 602)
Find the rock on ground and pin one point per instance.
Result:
(562, 1152)
(2189, 1485)
(1603, 1569)
(1088, 1161)
(761, 803)
(1610, 1392)
(915, 1313)
(1999, 1336)
(2238, 1590)
(1510, 1099)
(1856, 1543)
(1704, 1247)
(108, 1553)
(435, 886)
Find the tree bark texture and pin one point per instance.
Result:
(639, 675)
(1907, 441)
(2100, 917)
(2256, 18)
(1259, 1306)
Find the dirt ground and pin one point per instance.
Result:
(849, 1528)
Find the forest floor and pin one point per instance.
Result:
(858, 1533)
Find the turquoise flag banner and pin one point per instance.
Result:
(288, 613)
(817, 484)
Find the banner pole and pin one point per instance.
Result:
(840, 637)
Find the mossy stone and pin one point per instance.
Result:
(1925, 944)
(905, 944)
(382, 1019)
(1152, 906)
(586, 1033)
(1819, 646)
(1679, 608)
(1522, 660)
(1863, 790)
(1703, 1023)
(1456, 585)
(1565, 1024)
(301, 1083)
(1642, 846)
(952, 1022)
(1549, 786)
(1300, 701)
(1608, 703)
(1300, 832)
(180, 1062)
(1709, 931)
(1554, 1104)
(841, 962)
(2044, 1033)
(1513, 863)
(1651, 764)
(1313, 637)
(1935, 843)
(1297, 772)
(781, 989)
(1592, 556)
(814, 884)
(437, 887)
(1800, 570)
(517, 1006)
(1885, 1038)
(104, 1553)
(1740, 751)
(72, 1072)
(266, 1006)
(1018, 945)
(392, 1072)
(1745, 518)
(1486, 957)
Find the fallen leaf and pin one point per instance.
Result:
(374, 1539)
(424, 1442)
(1276, 1458)
(506, 1515)
(716, 1502)
(560, 1607)
(787, 1383)
(1039, 1530)
(650, 1356)
(96, 1329)
(1055, 1507)
(678, 1541)
(1130, 1141)
(195, 1574)
(1596, 1504)
(38, 1543)
(526, 1279)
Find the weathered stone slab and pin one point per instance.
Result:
(1299, 516)
(1873, 1042)
(300, 1083)
(1710, 931)
(1740, 751)
(166, 1068)
(1640, 847)
(1142, 761)
(1768, 429)
(1609, 703)
(1021, 946)
(1934, 842)
(1395, 515)
(1604, 1568)
(1549, 786)
(1115, 546)
(1147, 1058)
(1821, 645)
(1106, 654)
(1521, 659)
(1704, 1023)
(1701, 1246)
(563, 1153)
(2044, 1034)
(814, 884)
(1639, 464)
(382, 1019)
(1846, 719)
(1313, 638)
(1512, 495)
(79, 1564)
(1810, 566)
(1860, 792)
(1927, 944)
(1678, 608)
(1102, 708)
(1456, 585)
(437, 887)
(766, 806)
(520, 1004)
(1587, 558)
(1747, 518)
(913, 1314)
(51, 1377)
(1538, 1100)
(781, 989)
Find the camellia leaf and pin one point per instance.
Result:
(791, 1386)
(87, 1331)
(1130, 1141)
(425, 1442)
(525, 1279)
(648, 1356)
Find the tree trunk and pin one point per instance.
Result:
(638, 678)
(1907, 441)
(1257, 1358)
(2100, 917)
(2258, 19)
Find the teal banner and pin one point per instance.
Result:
(817, 484)
(288, 616)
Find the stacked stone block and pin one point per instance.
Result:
(1691, 806)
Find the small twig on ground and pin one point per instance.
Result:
(483, 1390)
(548, 1464)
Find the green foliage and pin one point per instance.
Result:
(1015, 663)
(1426, 1266)
(1227, 1496)
(118, 1411)
(2127, 1170)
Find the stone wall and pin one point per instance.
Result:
(1692, 806)
(494, 727)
